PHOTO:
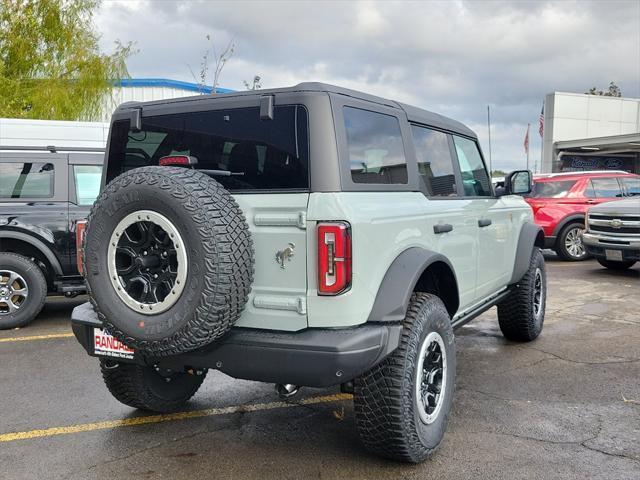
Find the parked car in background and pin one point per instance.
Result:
(43, 192)
(612, 233)
(560, 202)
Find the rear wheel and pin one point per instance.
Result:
(23, 290)
(402, 405)
(613, 265)
(149, 388)
(570, 246)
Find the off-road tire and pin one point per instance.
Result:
(142, 387)
(516, 313)
(37, 290)
(561, 248)
(220, 259)
(385, 399)
(613, 265)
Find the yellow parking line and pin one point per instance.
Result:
(36, 337)
(169, 417)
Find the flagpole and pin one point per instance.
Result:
(528, 127)
(489, 131)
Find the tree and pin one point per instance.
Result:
(614, 91)
(50, 64)
(256, 84)
(219, 61)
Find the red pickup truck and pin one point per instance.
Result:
(560, 201)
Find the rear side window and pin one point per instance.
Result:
(87, 179)
(475, 179)
(556, 189)
(374, 147)
(631, 186)
(261, 154)
(605, 187)
(26, 180)
(435, 165)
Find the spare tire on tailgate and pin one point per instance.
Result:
(168, 259)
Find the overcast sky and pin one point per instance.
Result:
(451, 57)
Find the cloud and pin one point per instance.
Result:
(452, 57)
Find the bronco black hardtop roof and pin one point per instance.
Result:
(414, 114)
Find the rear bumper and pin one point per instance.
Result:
(313, 357)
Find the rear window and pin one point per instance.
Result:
(556, 189)
(262, 154)
(631, 186)
(374, 142)
(87, 179)
(26, 180)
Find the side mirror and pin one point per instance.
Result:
(518, 182)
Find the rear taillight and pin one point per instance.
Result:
(334, 258)
(81, 226)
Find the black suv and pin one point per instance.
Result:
(43, 192)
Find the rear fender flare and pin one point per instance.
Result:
(37, 244)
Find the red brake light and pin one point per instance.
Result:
(180, 160)
(334, 258)
(81, 226)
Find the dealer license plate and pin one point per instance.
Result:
(106, 345)
(613, 255)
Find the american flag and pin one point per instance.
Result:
(526, 141)
(541, 122)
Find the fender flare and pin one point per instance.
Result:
(530, 235)
(575, 217)
(397, 285)
(37, 244)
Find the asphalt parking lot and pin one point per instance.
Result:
(564, 406)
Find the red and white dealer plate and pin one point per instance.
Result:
(106, 345)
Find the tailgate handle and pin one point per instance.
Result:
(442, 228)
(484, 222)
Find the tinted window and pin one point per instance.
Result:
(435, 165)
(264, 154)
(475, 179)
(631, 186)
(375, 149)
(606, 187)
(555, 189)
(87, 183)
(26, 180)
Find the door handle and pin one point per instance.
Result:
(591, 201)
(484, 222)
(442, 228)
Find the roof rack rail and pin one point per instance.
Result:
(559, 174)
(52, 148)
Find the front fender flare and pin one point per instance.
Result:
(530, 235)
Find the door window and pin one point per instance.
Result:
(631, 186)
(435, 165)
(606, 187)
(87, 183)
(374, 147)
(475, 180)
(26, 180)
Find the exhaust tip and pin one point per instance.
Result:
(286, 390)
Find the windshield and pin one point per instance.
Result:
(263, 154)
(557, 189)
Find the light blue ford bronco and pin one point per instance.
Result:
(305, 236)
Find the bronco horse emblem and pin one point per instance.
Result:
(285, 255)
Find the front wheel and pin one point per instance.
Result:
(521, 314)
(149, 388)
(402, 405)
(613, 265)
(23, 290)
(570, 246)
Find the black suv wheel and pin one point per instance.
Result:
(402, 405)
(23, 290)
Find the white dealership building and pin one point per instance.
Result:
(590, 132)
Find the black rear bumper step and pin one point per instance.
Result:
(315, 357)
